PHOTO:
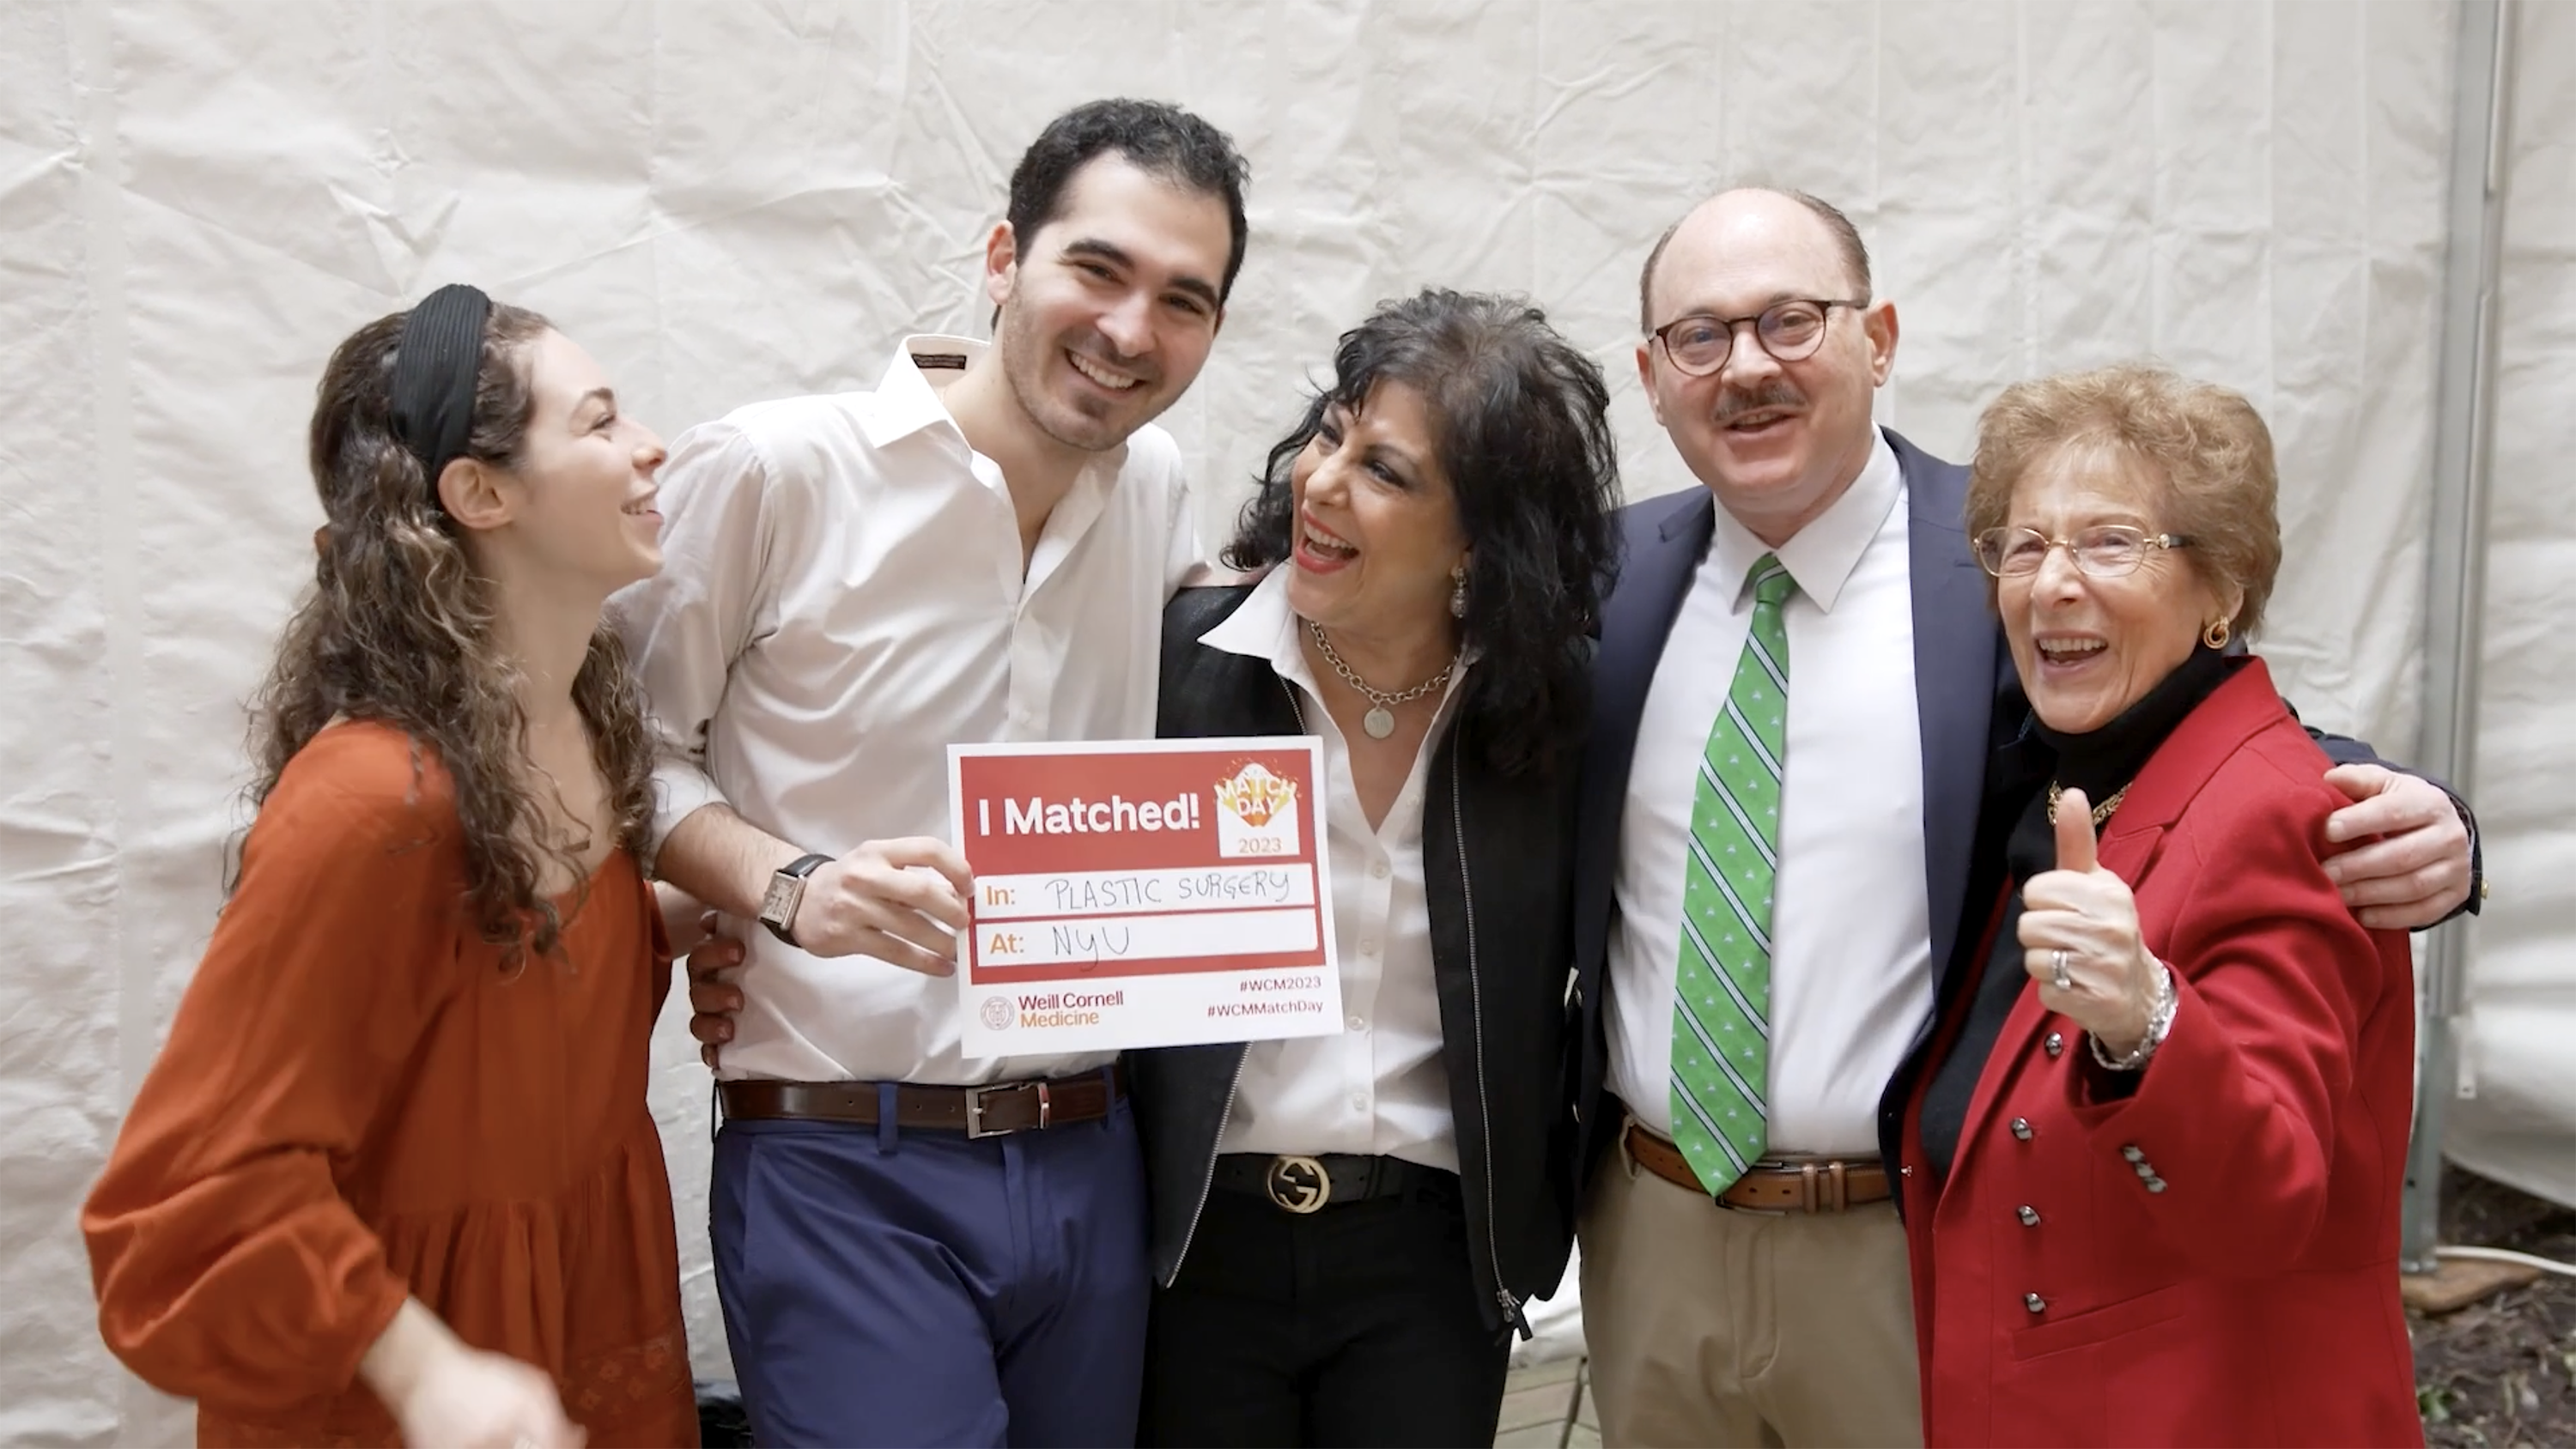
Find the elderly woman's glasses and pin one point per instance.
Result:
(2105, 552)
(1790, 331)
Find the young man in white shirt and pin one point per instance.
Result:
(914, 1246)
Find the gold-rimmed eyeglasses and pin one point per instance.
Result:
(1790, 331)
(2105, 551)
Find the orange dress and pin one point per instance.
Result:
(357, 1103)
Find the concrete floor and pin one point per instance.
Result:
(1536, 1404)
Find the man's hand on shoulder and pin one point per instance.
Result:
(2413, 869)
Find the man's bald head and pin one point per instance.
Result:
(1844, 236)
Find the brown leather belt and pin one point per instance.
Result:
(987, 1111)
(1775, 1184)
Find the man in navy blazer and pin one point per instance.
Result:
(1780, 1312)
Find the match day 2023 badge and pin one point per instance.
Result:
(1256, 815)
(1143, 893)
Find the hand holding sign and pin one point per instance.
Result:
(2080, 938)
(901, 901)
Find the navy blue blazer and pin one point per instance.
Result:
(1967, 697)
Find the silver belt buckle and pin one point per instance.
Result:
(1298, 1184)
(975, 1127)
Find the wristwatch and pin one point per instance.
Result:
(786, 893)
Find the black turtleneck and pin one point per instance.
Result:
(2098, 763)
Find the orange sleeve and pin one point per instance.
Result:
(228, 1265)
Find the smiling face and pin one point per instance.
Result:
(1109, 309)
(1777, 442)
(583, 512)
(1376, 523)
(2088, 648)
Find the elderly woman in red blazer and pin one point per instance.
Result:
(2151, 1169)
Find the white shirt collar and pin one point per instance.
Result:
(1822, 555)
(1264, 627)
(906, 399)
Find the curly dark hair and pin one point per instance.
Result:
(1158, 138)
(1520, 418)
(398, 629)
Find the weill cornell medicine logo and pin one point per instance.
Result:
(997, 1012)
(1256, 814)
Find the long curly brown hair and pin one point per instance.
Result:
(398, 628)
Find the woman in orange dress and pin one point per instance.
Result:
(393, 1179)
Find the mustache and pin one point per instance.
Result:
(1736, 402)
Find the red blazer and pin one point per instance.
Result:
(2212, 1260)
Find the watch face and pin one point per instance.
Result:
(782, 891)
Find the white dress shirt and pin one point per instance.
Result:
(841, 597)
(1378, 1086)
(1851, 977)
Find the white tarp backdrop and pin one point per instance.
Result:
(732, 200)
(2521, 1000)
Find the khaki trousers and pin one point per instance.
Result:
(1711, 1326)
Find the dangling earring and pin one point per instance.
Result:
(2215, 636)
(1458, 592)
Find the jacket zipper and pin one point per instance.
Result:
(1234, 1084)
(1484, 1107)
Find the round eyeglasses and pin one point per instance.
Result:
(1790, 331)
(2103, 552)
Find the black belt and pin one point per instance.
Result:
(1310, 1184)
(987, 1111)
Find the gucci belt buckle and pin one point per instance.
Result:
(1298, 1184)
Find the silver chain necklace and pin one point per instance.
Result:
(1380, 720)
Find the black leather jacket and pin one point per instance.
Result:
(1499, 882)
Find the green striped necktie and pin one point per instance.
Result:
(1722, 993)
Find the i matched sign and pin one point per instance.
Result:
(1143, 893)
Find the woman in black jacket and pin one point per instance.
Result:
(1346, 1226)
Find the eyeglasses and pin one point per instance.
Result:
(1790, 331)
(2104, 552)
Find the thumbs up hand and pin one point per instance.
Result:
(2080, 938)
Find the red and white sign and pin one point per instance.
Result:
(1143, 893)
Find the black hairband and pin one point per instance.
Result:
(436, 363)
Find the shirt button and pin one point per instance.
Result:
(2034, 1303)
(2021, 1128)
(1359, 1023)
(2029, 1215)
(1359, 1101)
(1368, 945)
(1380, 869)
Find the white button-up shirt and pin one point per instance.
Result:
(1851, 923)
(1378, 1086)
(841, 597)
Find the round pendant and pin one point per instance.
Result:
(1379, 722)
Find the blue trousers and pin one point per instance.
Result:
(920, 1288)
